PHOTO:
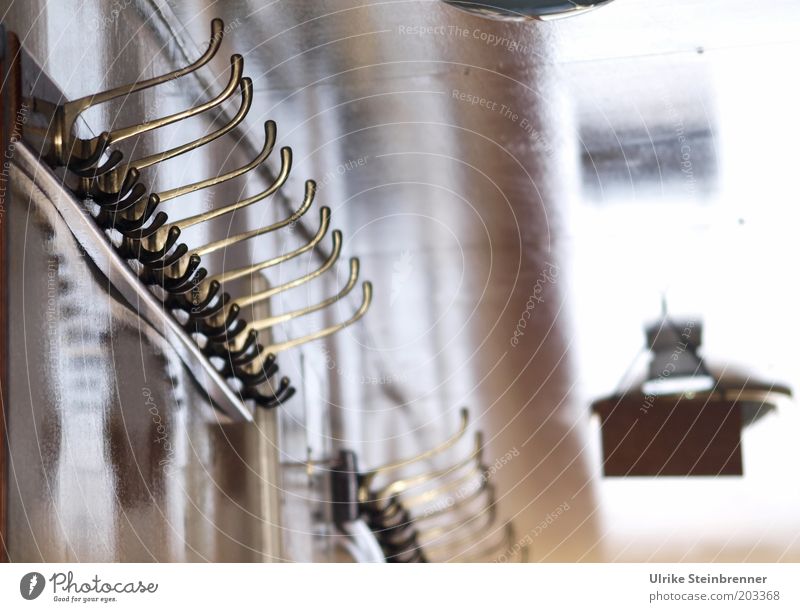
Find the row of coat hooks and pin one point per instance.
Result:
(415, 515)
(449, 513)
(135, 220)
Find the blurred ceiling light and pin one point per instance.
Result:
(519, 10)
(683, 419)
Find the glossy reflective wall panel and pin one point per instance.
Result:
(565, 174)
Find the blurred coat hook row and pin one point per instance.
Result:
(522, 10)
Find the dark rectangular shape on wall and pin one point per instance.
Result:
(9, 103)
(670, 437)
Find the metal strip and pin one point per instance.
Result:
(9, 102)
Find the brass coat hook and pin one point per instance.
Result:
(82, 154)
(259, 296)
(403, 484)
(369, 478)
(111, 182)
(252, 367)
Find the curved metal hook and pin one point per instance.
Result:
(490, 513)
(286, 166)
(168, 260)
(325, 217)
(237, 68)
(489, 505)
(249, 350)
(388, 527)
(219, 279)
(159, 258)
(108, 177)
(106, 198)
(254, 298)
(270, 135)
(255, 365)
(369, 478)
(192, 276)
(403, 484)
(206, 308)
(267, 322)
(284, 392)
(84, 165)
(108, 216)
(400, 543)
(476, 473)
(174, 284)
(69, 112)
(323, 333)
(174, 231)
(136, 197)
(190, 299)
(246, 87)
(87, 168)
(134, 228)
(267, 368)
(229, 324)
